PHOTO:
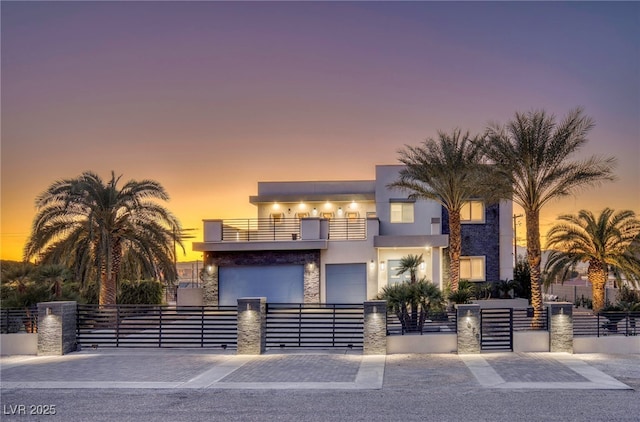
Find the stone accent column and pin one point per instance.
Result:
(252, 324)
(468, 321)
(560, 316)
(311, 282)
(375, 328)
(57, 328)
(210, 285)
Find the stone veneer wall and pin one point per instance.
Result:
(560, 326)
(375, 328)
(468, 320)
(480, 240)
(309, 258)
(56, 328)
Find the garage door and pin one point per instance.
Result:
(278, 283)
(346, 283)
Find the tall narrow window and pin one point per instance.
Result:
(401, 212)
(472, 268)
(472, 212)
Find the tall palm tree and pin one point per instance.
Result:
(90, 225)
(610, 241)
(533, 153)
(450, 171)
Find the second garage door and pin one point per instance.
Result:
(278, 283)
(346, 283)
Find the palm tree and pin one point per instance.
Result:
(54, 275)
(607, 242)
(533, 154)
(410, 263)
(90, 226)
(450, 171)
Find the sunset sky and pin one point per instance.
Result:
(208, 98)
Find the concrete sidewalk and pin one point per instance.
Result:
(315, 369)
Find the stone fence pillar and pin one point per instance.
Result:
(252, 324)
(57, 328)
(375, 328)
(468, 321)
(560, 326)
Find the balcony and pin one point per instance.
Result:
(283, 233)
(287, 229)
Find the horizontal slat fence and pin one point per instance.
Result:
(347, 229)
(314, 325)
(606, 324)
(260, 229)
(523, 318)
(157, 326)
(22, 320)
(444, 323)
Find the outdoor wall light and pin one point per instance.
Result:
(339, 210)
(209, 269)
(375, 309)
(48, 311)
(381, 265)
(423, 266)
(372, 264)
(315, 211)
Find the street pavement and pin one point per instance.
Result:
(318, 385)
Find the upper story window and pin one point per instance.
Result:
(401, 212)
(302, 214)
(327, 215)
(472, 212)
(472, 268)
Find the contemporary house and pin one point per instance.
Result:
(341, 242)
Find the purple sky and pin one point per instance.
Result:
(208, 98)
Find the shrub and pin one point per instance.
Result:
(143, 292)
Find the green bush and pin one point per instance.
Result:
(412, 303)
(143, 292)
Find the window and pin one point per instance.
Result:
(352, 215)
(302, 215)
(327, 215)
(472, 268)
(402, 212)
(472, 212)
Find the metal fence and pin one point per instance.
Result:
(287, 229)
(347, 229)
(23, 320)
(314, 325)
(156, 326)
(260, 229)
(523, 320)
(606, 324)
(442, 322)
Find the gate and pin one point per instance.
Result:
(156, 326)
(314, 325)
(496, 329)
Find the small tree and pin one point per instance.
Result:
(412, 302)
